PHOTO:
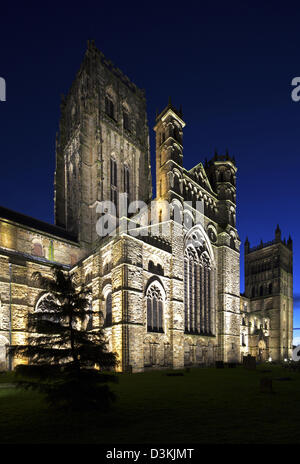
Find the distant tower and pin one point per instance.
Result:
(269, 285)
(103, 145)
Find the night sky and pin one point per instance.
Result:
(229, 64)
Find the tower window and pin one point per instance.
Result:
(108, 307)
(270, 289)
(114, 183)
(261, 291)
(126, 120)
(109, 107)
(113, 173)
(126, 180)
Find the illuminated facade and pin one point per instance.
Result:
(169, 297)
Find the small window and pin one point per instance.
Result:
(126, 120)
(270, 289)
(261, 291)
(151, 266)
(113, 173)
(126, 180)
(114, 183)
(108, 307)
(37, 249)
(109, 107)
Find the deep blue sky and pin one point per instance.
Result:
(230, 64)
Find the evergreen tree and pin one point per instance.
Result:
(66, 361)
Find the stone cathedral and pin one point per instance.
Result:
(169, 297)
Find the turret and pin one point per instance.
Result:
(168, 128)
(247, 246)
(278, 234)
(290, 243)
(221, 171)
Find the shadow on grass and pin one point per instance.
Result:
(204, 405)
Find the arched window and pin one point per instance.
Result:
(270, 288)
(37, 249)
(126, 119)
(126, 180)
(154, 309)
(108, 310)
(113, 173)
(151, 266)
(114, 183)
(261, 291)
(197, 291)
(48, 305)
(89, 322)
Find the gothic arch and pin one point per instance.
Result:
(107, 297)
(177, 211)
(155, 301)
(39, 303)
(198, 237)
(188, 219)
(156, 280)
(199, 283)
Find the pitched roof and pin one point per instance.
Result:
(40, 226)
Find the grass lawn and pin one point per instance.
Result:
(203, 406)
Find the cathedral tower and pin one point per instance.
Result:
(169, 153)
(103, 145)
(269, 285)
